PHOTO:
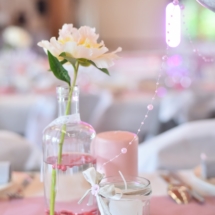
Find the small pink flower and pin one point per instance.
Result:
(95, 189)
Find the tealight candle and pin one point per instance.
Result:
(135, 199)
(116, 151)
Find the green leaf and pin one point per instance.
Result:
(58, 69)
(101, 69)
(68, 58)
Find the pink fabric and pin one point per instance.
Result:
(159, 206)
(28, 206)
(6, 90)
(37, 206)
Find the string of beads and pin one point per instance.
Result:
(164, 58)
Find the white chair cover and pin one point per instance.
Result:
(15, 149)
(93, 106)
(127, 115)
(14, 111)
(178, 148)
(186, 106)
(39, 116)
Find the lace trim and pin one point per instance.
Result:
(64, 120)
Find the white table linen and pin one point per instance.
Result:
(159, 186)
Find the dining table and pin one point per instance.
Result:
(33, 201)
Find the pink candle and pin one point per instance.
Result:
(108, 145)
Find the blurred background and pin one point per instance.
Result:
(119, 102)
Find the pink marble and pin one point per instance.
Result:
(108, 145)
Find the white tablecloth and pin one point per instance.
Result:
(159, 186)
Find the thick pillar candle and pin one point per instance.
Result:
(107, 145)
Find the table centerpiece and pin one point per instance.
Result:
(66, 140)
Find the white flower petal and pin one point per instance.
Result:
(83, 52)
(66, 32)
(97, 52)
(43, 43)
(53, 46)
(71, 48)
(107, 60)
(88, 33)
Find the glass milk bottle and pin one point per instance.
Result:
(66, 154)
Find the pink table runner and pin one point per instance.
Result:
(166, 206)
(159, 206)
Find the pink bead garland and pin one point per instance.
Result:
(124, 150)
(164, 58)
(59, 167)
(150, 107)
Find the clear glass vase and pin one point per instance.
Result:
(66, 154)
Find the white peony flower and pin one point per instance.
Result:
(80, 43)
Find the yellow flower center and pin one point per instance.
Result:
(88, 43)
(65, 40)
(83, 42)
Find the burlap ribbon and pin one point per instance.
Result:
(108, 191)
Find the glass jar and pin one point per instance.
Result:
(135, 198)
(66, 154)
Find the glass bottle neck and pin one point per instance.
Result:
(67, 106)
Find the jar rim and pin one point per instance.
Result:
(144, 188)
(128, 178)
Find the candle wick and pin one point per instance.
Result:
(123, 180)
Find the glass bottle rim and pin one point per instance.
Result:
(63, 90)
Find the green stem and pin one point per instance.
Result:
(62, 137)
(53, 192)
